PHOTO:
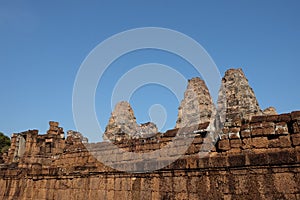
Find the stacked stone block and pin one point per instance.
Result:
(256, 156)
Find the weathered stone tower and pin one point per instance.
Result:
(257, 155)
(197, 106)
(240, 100)
(122, 124)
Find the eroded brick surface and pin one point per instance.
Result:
(256, 155)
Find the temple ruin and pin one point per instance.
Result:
(256, 154)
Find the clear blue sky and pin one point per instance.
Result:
(43, 43)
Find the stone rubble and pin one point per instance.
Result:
(270, 111)
(77, 136)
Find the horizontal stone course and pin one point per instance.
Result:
(254, 152)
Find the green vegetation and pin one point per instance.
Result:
(4, 143)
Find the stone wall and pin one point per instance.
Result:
(255, 154)
(256, 159)
(261, 182)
